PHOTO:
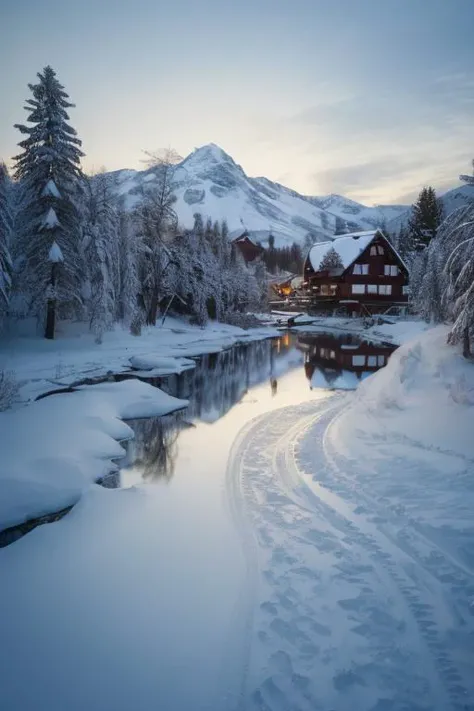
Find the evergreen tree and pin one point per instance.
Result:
(330, 261)
(6, 223)
(128, 306)
(426, 217)
(49, 175)
(100, 246)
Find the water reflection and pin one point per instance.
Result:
(222, 380)
(333, 361)
(218, 382)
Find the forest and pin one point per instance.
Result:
(70, 250)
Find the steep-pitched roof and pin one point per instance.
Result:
(348, 247)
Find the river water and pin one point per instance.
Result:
(228, 389)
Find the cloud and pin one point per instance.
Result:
(385, 145)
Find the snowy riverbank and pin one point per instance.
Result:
(41, 366)
(329, 565)
(54, 449)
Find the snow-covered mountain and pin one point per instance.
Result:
(357, 216)
(209, 181)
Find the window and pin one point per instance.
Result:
(372, 360)
(385, 289)
(360, 269)
(390, 270)
(380, 250)
(371, 288)
(328, 289)
(358, 360)
(405, 290)
(373, 250)
(381, 361)
(358, 288)
(322, 353)
(332, 354)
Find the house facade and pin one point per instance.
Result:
(250, 250)
(362, 272)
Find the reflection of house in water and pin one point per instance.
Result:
(341, 361)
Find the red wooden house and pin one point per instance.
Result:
(250, 250)
(367, 275)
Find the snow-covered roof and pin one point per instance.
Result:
(348, 247)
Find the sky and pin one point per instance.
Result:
(371, 99)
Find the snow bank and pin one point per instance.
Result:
(160, 365)
(41, 365)
(425, 393)
(398, 331)
(53, 449)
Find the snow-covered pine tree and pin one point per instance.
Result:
(50, 178)
(101, 254)
(427, 283)
(330, 261)
(6, 223)
(128, 307)
(425, 219)
(458, 258)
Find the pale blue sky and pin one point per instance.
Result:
(369, 98)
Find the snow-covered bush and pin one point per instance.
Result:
(8, 389)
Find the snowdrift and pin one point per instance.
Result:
(426, 392)
(55, 448)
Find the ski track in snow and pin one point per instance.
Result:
(348, 604)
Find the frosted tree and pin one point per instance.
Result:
(330, 261)
(129, 309)
(457, 254)
(428, 284)
(100, 247)
(6, 224)
(49, 176)
(425, 219)
(158, 224)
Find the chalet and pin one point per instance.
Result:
(249, 248)
(361, 271)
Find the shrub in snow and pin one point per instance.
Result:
(8, 389)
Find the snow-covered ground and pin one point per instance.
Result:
(42, 366)
(55, 448)
(322, 559)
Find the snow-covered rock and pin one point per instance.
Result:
(53, 449)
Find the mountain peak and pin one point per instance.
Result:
(212, 152)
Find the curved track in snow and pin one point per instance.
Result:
(348, 605)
